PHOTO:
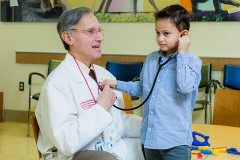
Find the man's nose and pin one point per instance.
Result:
(99, 37)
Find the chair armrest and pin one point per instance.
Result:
(137, 78)
(212, 83)
(208, 86)
(34, 73)
(215, 84)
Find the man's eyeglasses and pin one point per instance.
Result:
(90, 32)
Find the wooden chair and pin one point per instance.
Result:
(227, 107)
(227, 101)
(51, 66)
(127, 104)
(35, 128)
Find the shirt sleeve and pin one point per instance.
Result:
(132, 88)
(188, 72)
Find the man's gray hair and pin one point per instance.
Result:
(69, 18)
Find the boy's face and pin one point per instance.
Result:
(167, 36)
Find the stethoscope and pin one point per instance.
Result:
(155, 79)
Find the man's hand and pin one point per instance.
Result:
(107, 98)
(110, 82)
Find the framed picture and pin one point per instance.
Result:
(117, 10)
(213, 10)
(105, 10)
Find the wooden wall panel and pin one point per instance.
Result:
(43, 58)
(37, 57)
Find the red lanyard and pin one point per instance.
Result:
(86, 79)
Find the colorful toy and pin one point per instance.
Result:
(199, 155)
(200, 148)
(203, 147)
(220, 149)
(233, 151)
(217, 150)
(206, 151)
(197, 142)
(194, 148)
(194, 151)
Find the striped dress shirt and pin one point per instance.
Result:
(167, 119)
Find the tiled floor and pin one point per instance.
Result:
(14, 143)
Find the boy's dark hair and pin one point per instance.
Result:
(177, 14)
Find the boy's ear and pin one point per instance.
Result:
(184, 33)
(66, 36)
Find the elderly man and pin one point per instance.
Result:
(76, 118)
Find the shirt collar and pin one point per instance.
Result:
(162, 54)
(84, 67)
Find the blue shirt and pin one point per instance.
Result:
(167, 119)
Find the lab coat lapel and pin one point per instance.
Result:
(73, 68)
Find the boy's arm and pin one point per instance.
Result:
(188, 72)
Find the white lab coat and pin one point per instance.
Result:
(64, 124)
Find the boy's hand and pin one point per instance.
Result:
(184, 44)
(110, 82)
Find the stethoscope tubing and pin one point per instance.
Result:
(155, 79)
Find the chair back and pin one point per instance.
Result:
(52, 65)
(35, 128)
(227, 107)
(231, 78)
(124, 71)
(127, 102)
(206, 71)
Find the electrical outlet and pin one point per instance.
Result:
(21, 86)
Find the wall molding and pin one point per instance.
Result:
(16, 115)
(43, 58)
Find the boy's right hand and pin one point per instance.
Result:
(110, 82)
(184, 44)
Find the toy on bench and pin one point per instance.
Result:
(197, 142)
(204, 147)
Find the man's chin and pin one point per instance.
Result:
(98, 55)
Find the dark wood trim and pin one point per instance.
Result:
(37, 57)
(43, 58)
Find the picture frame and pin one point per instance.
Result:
(117, 10)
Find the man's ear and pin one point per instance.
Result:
(67, 37)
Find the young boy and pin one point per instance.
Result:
(166, 130)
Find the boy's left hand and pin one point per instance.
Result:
(110, 82)
(184, 44)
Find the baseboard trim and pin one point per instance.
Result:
(16, 115)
